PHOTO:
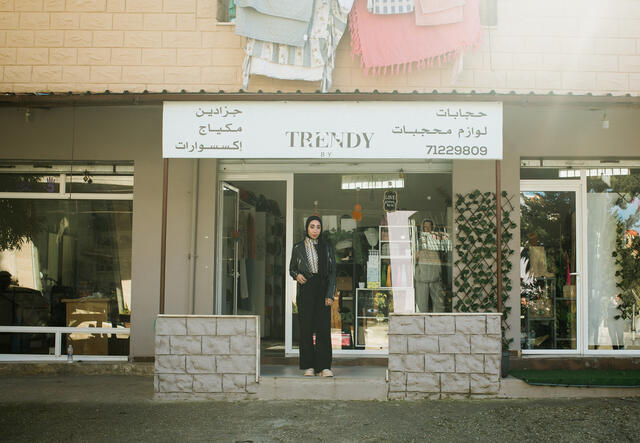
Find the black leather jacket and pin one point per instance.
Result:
(299, 265)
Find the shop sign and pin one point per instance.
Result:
(390, 201)
(420, 130)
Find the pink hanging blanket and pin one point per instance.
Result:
(395, 41)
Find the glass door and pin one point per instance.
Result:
(550, 266)
(252, 252)
(227, 263)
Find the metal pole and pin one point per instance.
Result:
(498, 236)
(163, 239)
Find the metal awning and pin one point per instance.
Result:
(107, 98)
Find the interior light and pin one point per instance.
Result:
(594, 172)
(375, 181)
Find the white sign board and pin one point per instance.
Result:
(424, 130)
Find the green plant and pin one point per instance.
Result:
(18, 224)
(476, 279)
(627, 246)
(627, 257)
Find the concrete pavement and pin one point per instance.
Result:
(121, 407)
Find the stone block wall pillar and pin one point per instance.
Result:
(450, 355)
(201, 357)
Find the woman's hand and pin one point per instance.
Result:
(300, 279)
(328, 301)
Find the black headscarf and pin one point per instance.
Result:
(321, 247)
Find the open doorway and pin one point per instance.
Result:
(251, 264)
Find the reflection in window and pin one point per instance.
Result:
(547, 270)
(65, 262)
(613, 205)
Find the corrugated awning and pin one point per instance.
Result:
(146, 98)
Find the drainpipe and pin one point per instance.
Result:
(163, 238)
(499, 236)
(194, 226)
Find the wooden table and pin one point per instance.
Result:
(87, 313)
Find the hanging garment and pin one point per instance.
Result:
(385, 7)
(431, 6)
(345, 5)
(280, 21)
(439, 12)
(313, 62)
(396, 41)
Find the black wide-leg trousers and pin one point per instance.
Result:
(314, 317)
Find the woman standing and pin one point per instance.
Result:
(313, 266)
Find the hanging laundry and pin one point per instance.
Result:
(439, 12)
(395, 42)
(385, 7)
(285, 22)
(312, 62)
(430, 6)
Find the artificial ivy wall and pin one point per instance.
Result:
(476, 279)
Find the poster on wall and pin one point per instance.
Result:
(326, 130)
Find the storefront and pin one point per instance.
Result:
(379, 175)
(390, 210)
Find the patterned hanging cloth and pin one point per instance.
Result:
(385, 7)
(395, 42)
(312, 62)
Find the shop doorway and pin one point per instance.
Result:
(551, 266)
(251, 254)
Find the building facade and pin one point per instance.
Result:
(84, 86)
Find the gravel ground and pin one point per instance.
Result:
(110, 408)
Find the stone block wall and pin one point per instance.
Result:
(201, 357)
(444, 355)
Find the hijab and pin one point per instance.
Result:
(321, 247)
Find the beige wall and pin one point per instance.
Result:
(78, 45)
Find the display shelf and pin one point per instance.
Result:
(373, 307)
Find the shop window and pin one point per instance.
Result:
(392, 238)
(613, 250)
(553, 281)
(65, 255)
(226, 11)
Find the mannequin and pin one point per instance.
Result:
(428, 274)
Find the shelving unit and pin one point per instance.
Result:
(397, 249)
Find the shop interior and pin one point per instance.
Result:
(70, 264)
(254, 256)
(386, 260)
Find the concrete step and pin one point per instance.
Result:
(286, 382)
(321, 388)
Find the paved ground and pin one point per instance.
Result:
(120, 408)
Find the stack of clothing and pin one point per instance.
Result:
(395, 34)
(291, 39)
